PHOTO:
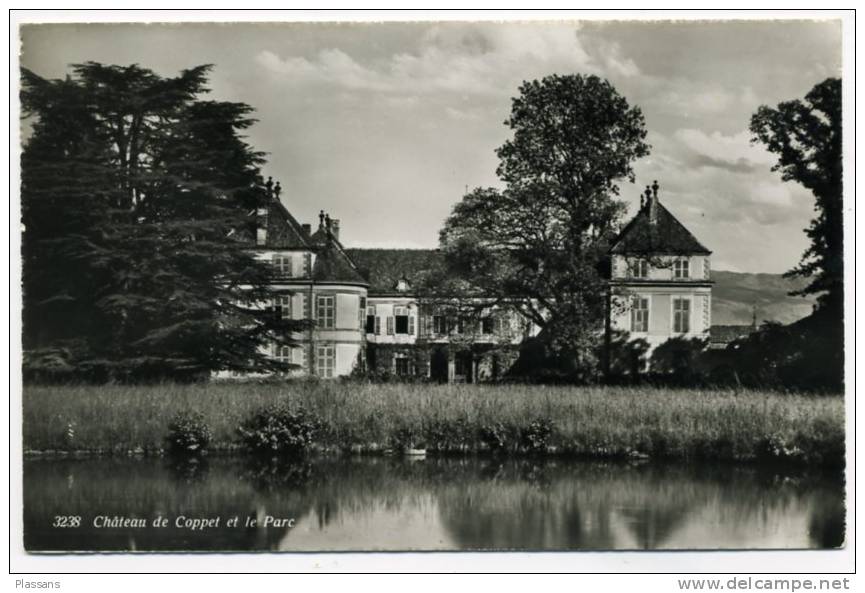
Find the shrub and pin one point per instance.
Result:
(448, 435)
(188, 433)
(535, 438)
(498, 437)
(279, 431)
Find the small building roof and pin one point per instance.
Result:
(725, 334)
(384, 268)
(655, 231)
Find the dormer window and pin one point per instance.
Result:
(640, 268)
(681, 269)
(402, 284)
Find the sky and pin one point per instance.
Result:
(385, 125)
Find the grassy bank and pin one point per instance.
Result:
(590, 421)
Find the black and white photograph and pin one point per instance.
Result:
(565, 285)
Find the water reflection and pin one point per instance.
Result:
(392, 503)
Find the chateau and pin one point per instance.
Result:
(368, 316)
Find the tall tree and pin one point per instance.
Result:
(136, 197)
(806, 136)
(540, 244)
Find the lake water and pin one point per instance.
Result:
(393, 503)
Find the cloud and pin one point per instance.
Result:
(449, 87)
(461, 115)
(723, 190)
(469, 59)
(328, 66)
(741, 165)
(734, 153)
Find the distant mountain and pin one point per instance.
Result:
(736, 294)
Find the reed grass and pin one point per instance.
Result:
(586, 421)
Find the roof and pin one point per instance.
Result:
(654, 230)
(283, 230)
(384, 268)
(333, 265)
(724, 334)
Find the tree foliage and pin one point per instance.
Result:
(539, 245)
(135, 193)
(806, 136)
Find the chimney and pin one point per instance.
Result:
(334, 228)
(307, 229)
(653, 203)
(321, 220)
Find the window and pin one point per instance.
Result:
(281, 266)
(404, 321)
(488, 325)
(370, 320)
(640, 314)
(362, 321)
(325, 360)
(282, 353)
(440, 325)
(401, 318)
(681, 315)
(640, 268)
(681, 268)
(282, 307)
(325, 311)
(402, 365)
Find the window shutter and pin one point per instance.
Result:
(307, 264)
(377, 325)
(390, 325)
(411, 325)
